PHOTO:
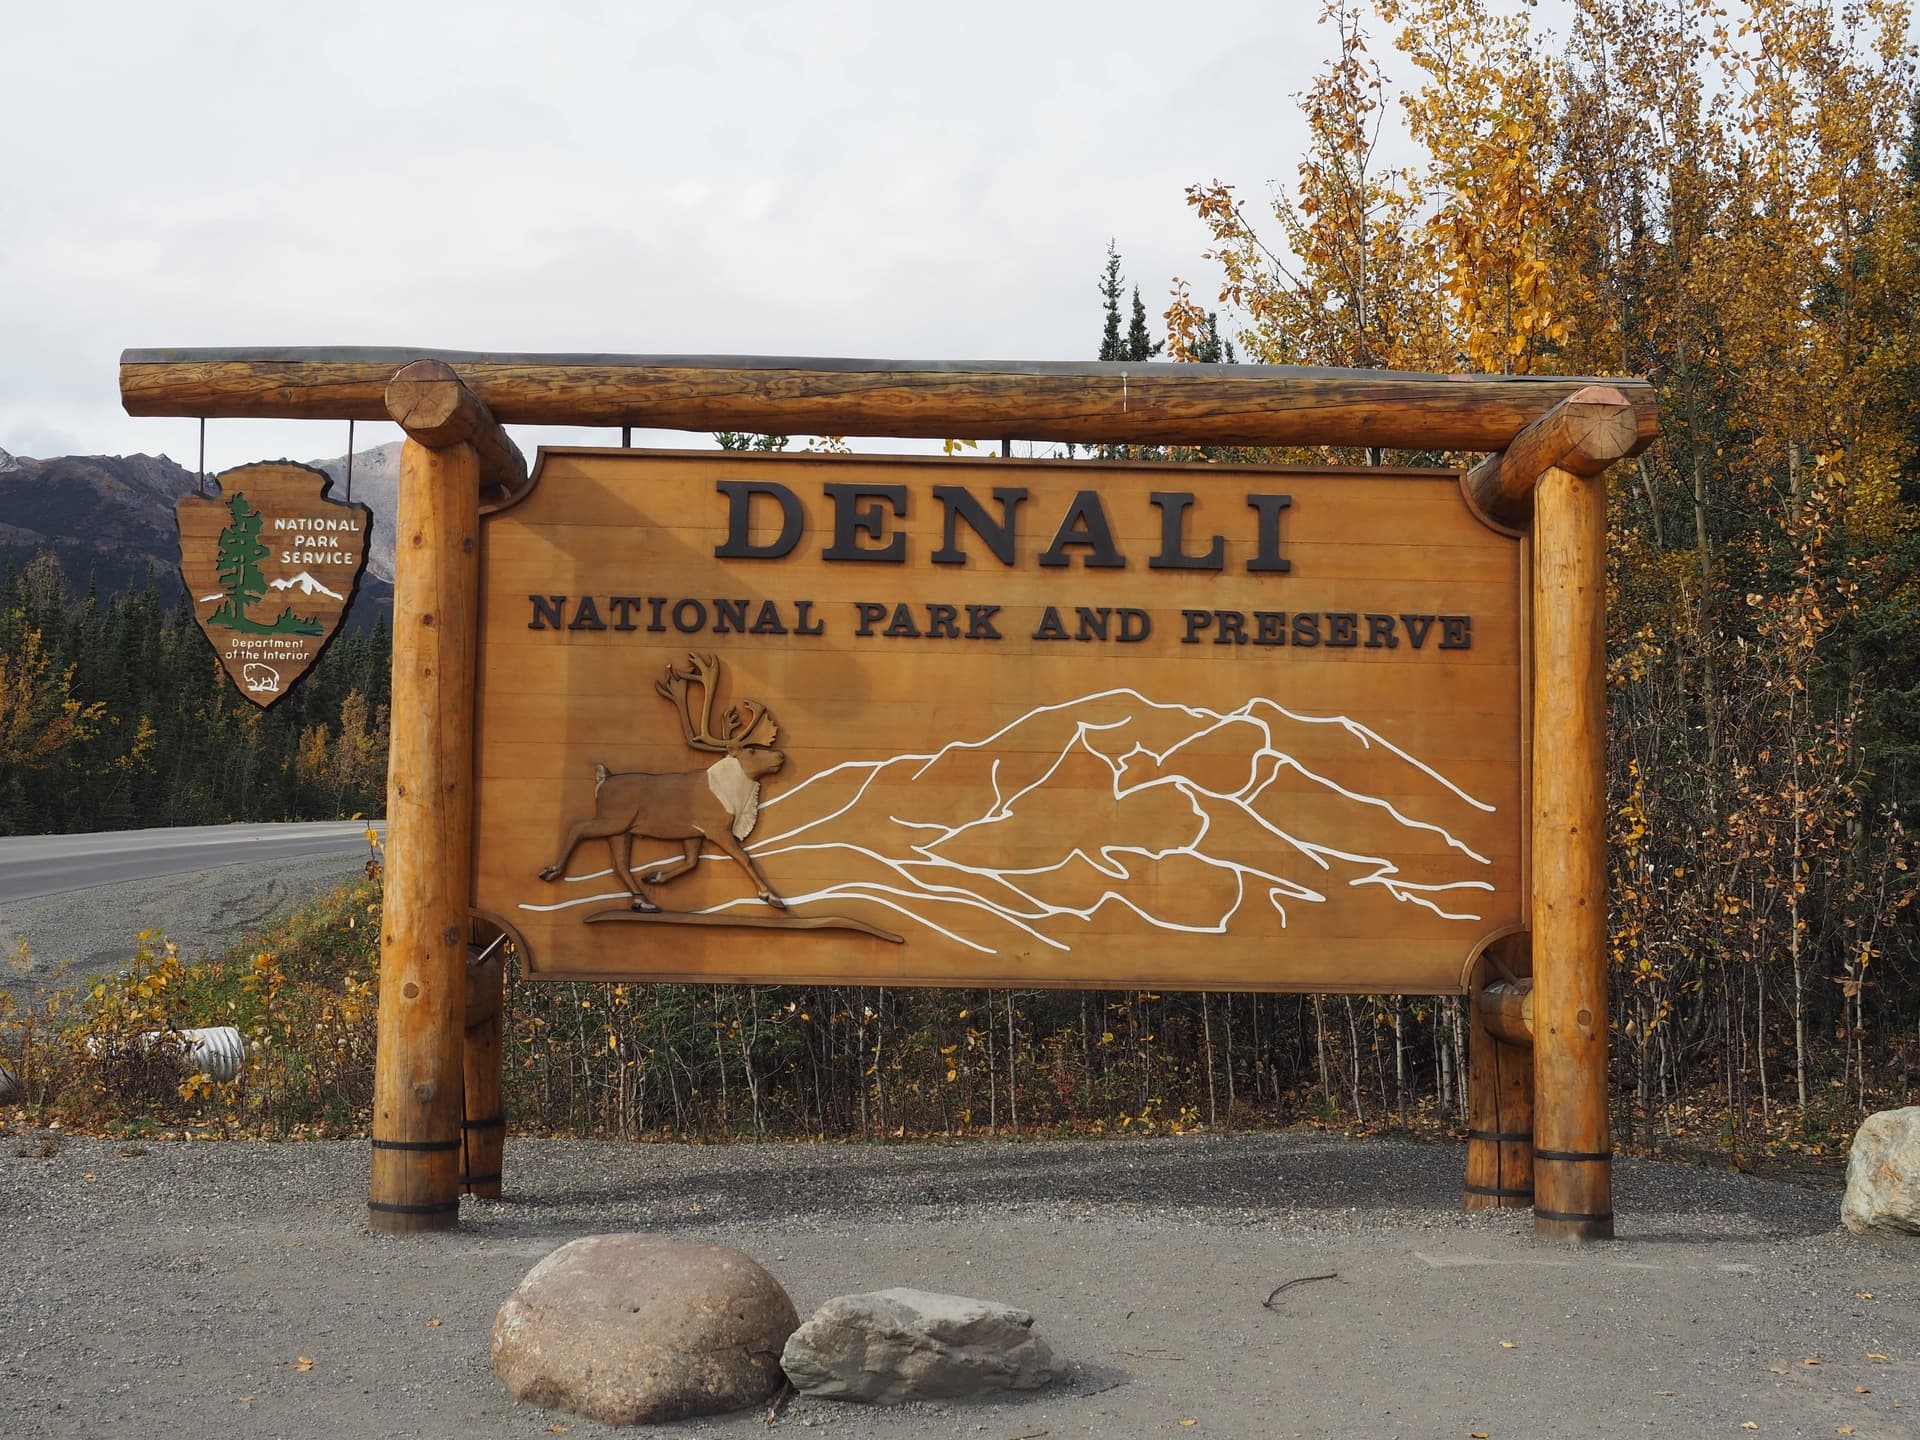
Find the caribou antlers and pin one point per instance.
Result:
(742, 720)
(716, 806)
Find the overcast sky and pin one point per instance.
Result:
(911, 181)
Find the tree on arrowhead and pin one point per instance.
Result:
(239, 559)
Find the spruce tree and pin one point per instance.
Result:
(1112, 347)
(1210, 348)
(1140, 346)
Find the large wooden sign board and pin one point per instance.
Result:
(841, 719)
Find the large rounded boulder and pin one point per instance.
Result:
(632, 1329)
(1883, 1174)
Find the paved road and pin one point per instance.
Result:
(76, 903)
(36, 865)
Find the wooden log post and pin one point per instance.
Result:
(417, 1074)
(483, 1131)
(1499, 1100)
(419, 1063)
(1549, 473)
(1573, 1169)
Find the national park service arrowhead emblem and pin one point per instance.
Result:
(269, 564)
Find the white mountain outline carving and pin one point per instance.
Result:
(928, 881)
(303, 582)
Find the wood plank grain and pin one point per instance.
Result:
(1020, 811)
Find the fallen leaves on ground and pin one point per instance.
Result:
(304, 1364)
(1508, 1345)
(1875, 1355)
(435, 1324)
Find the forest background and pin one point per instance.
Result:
(1722, 197)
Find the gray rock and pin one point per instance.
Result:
(627, 1329)
(891, 1346)
(1883, 1174)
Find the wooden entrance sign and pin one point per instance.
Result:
(1013, 723)
(950, 722)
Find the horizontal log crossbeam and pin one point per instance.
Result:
(428, 400)
(1582, 435)
(1506, 1009)
(1078, 402)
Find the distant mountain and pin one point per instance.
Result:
(109, 521)
(376, 482)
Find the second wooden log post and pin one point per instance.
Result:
(1499, 1100)
(1572, 1157)
(484, 1130)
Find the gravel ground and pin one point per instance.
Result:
(171, 1289)
(86, 932)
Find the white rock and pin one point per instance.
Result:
(891, 1346)
(1883, 1174)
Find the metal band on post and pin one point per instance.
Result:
(437, 1208)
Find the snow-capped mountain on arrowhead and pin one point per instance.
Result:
(306, 585)
(1196, 820)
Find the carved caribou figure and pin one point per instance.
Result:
(718, 804)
